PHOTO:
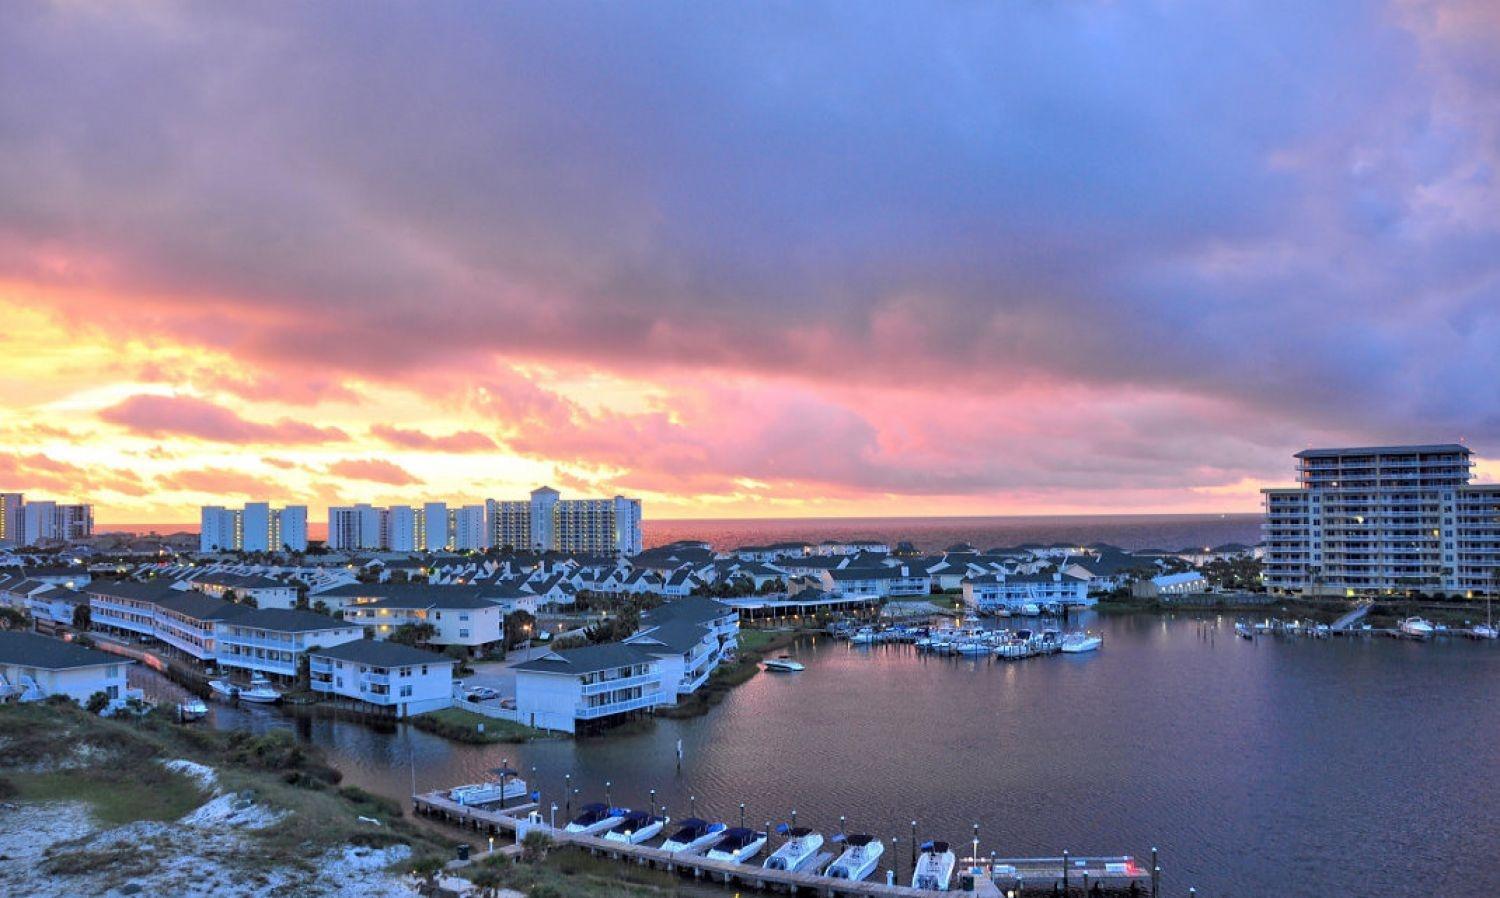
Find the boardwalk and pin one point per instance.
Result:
(1116, 874)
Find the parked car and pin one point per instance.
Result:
(482, 694)
(508, 704)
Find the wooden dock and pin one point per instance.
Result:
(995, 876)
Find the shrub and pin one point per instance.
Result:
(97, 702)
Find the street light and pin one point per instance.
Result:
(607, 799)
(742, 815)
(653, 802)
(553, 818)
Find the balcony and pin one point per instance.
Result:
(650, 679)
(648, 700)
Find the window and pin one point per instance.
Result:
(463, 634)
(406, 692)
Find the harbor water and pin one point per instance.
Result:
(1280, 766)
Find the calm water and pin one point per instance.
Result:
(1275, 767)
(1165, 531)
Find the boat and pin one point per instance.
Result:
(738, 845)
(637, 827)
(934, 868)
(972, 647)
(693, 835)
(863, 636)
(259, 691)
(1487, 629)
(595, 818)
(1014, 649)
(1078, 643)
(801, 846)
(1031, 609)
(192, 709)
(859, 858)
(784, 663)
(1415, 628)
(1243, 630)
(507, 788)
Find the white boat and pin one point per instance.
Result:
(637, 827)
(863, 636)
(859, 858)
(489, 792)
(1243, 630)
(934, 868)
(1078, 643)
(973, 647)
(801, 846)
(1031, 609)
(192, 709)
(1487, 629)
(595, 818)
(784, 663)
(694, 835)
(738, 845)
(259, 691)
(1415, 628)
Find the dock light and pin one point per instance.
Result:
(607, 800)
(742, 815)
(692, 805)
(492, 844)
(554, 815)
(653, 802)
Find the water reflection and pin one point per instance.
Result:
(1303, 767)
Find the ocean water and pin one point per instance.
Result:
(1131, 532)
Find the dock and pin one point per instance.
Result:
(990, 876)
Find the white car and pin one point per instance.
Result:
(482, 694)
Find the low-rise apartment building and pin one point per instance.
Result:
(34, 667)
(994, 592)
(387, 676)
(564, 690)
(460, 615)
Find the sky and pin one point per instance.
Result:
(740, 260)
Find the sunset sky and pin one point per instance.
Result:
(772, 259)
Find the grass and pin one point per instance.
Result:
(462, 725)
(571, 872)
(60, 753)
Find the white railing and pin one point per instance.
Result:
(620, 683)
(649, 700)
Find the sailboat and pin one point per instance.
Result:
(1487, 629)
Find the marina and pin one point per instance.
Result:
(731, 858)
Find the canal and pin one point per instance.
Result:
(1280, 766)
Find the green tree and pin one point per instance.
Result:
(97, 702)
(83, 617)
(413, 634)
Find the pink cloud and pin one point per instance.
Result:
(373, 469)
(159, 416)
(39, 472)
(461, 441)
(218, 481)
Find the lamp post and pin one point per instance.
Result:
(554, 815)
(975, 855)
(692, 806)
(914, 847)
(653, 802)
(742, 815)
(568, 793)
(607, 793)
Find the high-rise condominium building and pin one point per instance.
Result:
(354, 527)
(548, 522)
(1383, 519)
(433, 531)
(255, 528)
(25, 523)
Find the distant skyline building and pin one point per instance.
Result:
(354, 527)
(43, 521)
(257, 527)
(548, 522)
(1377, 520)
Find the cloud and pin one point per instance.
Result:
(159, 416)
(373, 469)
(23, 472)
(219, 481)
(462, 441)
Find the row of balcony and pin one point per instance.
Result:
(648, 700)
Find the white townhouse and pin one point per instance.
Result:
(1186, 583)
(853, 547)
(563, 690)
(265, 591)
(690, 638)
(52, 607)
(272, 641)
(127, 607)
(33, 667)
(459, 615)
(878, 581)
(386, 675)
(189, 622)
(994, 592)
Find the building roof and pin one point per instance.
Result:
(693, 609)
(35, 650)
(199, 606)
(132, 589)
(675, 637)
(1174, 579)
(588, 659)
(240, 581)
(1426, 448)
(288, 620)
(418, 595)
(381, 653)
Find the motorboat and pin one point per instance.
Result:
(1014, 649)
(859, 859)
(972, 647)
(694, 835)
(1078, 643)
(738, 845)
(595, 818)
(1487, 629)
(784, 663)
(259, 691)
(1243, 630)
(1415, 628)
(192, 709)
(509, 786)
(637, 827)
(934, 868)
(801, 846)
(863, 636)
(1049, 642)
(1031, 609)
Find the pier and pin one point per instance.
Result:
(991, 876)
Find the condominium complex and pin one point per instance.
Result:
(399, 528)
(549, 522)
(1383, 519)
(34, 523)
(255, 528)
